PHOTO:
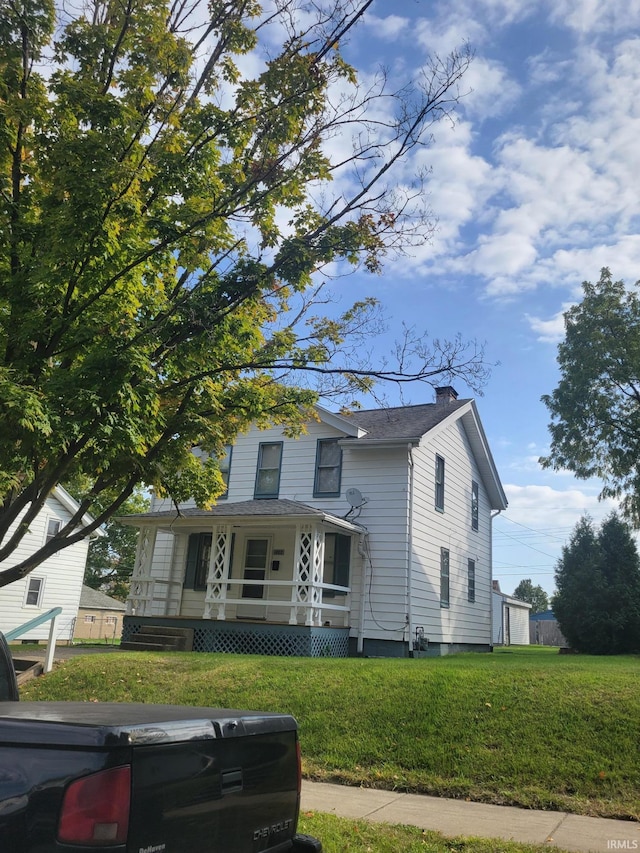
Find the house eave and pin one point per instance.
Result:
(72, 506)
(194, 519)
(379, 442)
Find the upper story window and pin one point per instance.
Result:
(475, 499)
(53, 528)
(444, 577)
(268, 472)
(225, 469)
(328, 468)
(471, 580)
(35, 589)
(440, 483)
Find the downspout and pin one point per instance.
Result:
(492, 516)
(410, 549)
(363, 551)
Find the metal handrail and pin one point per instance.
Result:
(52, 614)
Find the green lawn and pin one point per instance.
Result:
(358, 836)
(527, 727)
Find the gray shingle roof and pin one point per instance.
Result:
(402, 422)
(256, 509)
(93, 599)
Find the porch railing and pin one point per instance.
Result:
(52, 615)
(143, 598)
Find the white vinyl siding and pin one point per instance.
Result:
(62, 575)
(463, 621)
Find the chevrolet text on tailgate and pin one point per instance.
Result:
(84, 776)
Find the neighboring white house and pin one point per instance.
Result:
(57, 582)
(510, 619)
(369, 534)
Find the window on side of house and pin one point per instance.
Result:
(471, 580)
(439, 483)
(89, 618)
(475, 498)
(53, 528)
(337, 557)
(35, 589)
(225, 469)
(444, 577)
(268, 470)
(328, 468)
(198, 556)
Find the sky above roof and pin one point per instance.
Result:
(533, 190)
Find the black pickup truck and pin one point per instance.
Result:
(136, 778)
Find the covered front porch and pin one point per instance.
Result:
(262, 576)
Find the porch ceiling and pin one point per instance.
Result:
(279, 512)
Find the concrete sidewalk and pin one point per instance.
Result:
(459, 817)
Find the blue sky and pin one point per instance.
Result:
(534, 192)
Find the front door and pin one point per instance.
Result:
(256, 555)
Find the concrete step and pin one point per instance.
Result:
(167, 631)
(159, 638)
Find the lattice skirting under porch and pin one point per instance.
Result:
(252, 638)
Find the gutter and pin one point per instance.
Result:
(491, 517)
(362, 550)
(409, 586)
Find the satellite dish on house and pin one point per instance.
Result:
(354, 498)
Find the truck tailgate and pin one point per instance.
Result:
(232, 793)
(203, 780)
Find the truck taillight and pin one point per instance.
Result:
(299, 756)
(95, 809)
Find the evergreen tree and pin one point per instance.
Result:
(597, 603)
(619, 619)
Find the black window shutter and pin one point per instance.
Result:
(342, 559)
(192, 561)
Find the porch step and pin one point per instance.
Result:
(158, 638)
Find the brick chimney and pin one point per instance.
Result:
(445, 395)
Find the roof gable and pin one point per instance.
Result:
(93, 599)
(402, 423)
(413, 424)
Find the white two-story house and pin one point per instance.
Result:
(370, 534)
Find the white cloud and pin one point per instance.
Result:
(600, 16)
(388, 28)
(549, 331)
(546, 507)
(490, 90)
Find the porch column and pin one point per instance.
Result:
(306, 594)
(141, 590)
(218, 576)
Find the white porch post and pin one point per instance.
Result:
(218, 576)
(141, 590)
(306, 594)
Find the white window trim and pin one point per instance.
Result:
(46, 529)
(40, 591)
